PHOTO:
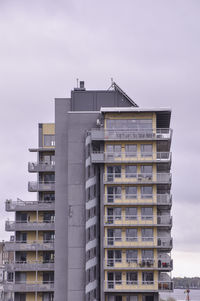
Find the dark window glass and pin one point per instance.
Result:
(146, 150)
(146, 192)
(131, 213)
(49, 140)
(131, 255)
(147, 234)
(131, 150)
(131, 192)
(131, 171)
(131, 234)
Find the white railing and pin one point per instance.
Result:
(138, 219)
(131, 134)
(137, 241)
(99, 156)
(133, 285)
(136, 263)
(137, 177)
(162, 199)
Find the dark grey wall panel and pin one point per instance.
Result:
(76, 257)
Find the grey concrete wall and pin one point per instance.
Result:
(62, 106)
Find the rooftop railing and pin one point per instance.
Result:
(131, 134)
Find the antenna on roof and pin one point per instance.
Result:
(112, 83)
(77, 82)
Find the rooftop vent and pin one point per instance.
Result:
(81, 86)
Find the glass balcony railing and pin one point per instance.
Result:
(135, 285)
(139, 178)
(158, 199)
(136, 220)
(100, 157)
(137, 242)
(41, 186)
(131, 134)
(135, 263)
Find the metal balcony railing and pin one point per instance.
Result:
(158, 199)
(29, 265)
(139, 178)
(138, 220)
(41, 166)
(160, 242)
(27, 225)
(41, 186)
(36, 205)
(156, 157)
(135, 263)
(29, 245)
(138, 285)
(131, 134)
(23, 286)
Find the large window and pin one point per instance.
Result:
(49, 140)
(147, 213)
(147, 234)
(131, 213)
(131, 150)
(113, 172)
(131, 171)
(131, 234)
(113, 192)
(146, 192)
(147, 278)
(131, 256)
(136, 124)
(131, 192)
(147, 254)
(146, 169)
(114, 256)
(146, 150)
(131, 278)
(113, 150)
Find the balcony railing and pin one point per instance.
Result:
(22, 286)
(100, 157)
(27, 225)
(160, 242)
(41, 166)
(138, 178)
(41, 186)
(159, 199)
(29, 265)
(131, 134)
(134, 220)
(20, 205)
(138, 285)
(29, 245)
(135, 263)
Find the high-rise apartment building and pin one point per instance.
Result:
(101, 226)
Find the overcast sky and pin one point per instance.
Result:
(152, 50)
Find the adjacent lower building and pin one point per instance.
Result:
(101, 226)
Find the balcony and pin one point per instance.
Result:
(29, 266)
(29, 206)
(33, 245)
(136, 199)
(137, 178)
(29, 286)
(164, 243)
(137, 286)
(131, 134)
(41, 166)
(41, 186)
(30, 226)
(125, 157)
(138, 220)
(134, 263)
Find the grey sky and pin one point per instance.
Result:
(151, 49)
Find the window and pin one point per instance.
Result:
(136, 124)
(113, 172)
(118, 234)
(147, 213)
(113, 193)
(113, 150)
(131, 171)
(146, 169)
(146, 192)
(49, 140)
(131, 256)
(146, 150)
(117, 213)
(47, 197)
(48, 178)
(130, 150)
(113, 257)
(131, 213)
(147, 278)
(118, 298)
(147, 234)
(131, 278)
(131, 234)
(131, 298)
(131, 192)
(147, 254)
